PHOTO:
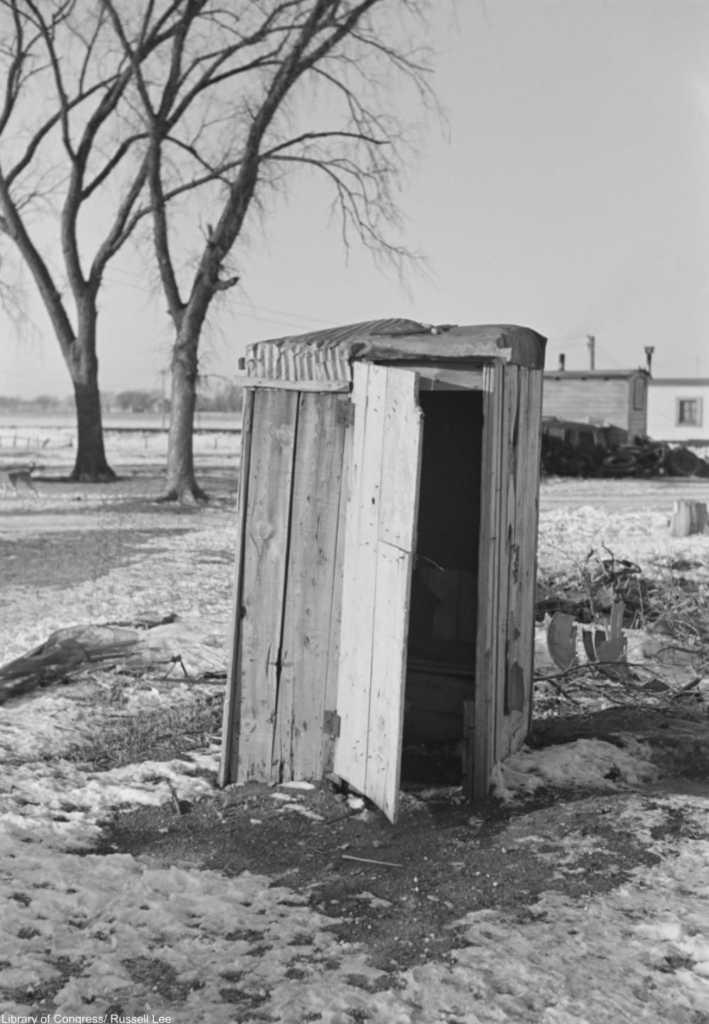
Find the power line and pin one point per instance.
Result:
(282, 318)
(289, 314)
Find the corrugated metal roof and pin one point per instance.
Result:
(327, 355)
(330, 337)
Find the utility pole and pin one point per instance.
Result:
(591, 351)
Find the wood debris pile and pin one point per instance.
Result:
(592, 611)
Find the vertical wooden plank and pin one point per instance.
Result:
(359, 576)
(482, 755)
(310, 587)
(515, 676)
(507, 545)
(232, 697)
(397, 521)
(378, 561)
(268, 509)
(328, 734)
(530, 511)
(522, 575)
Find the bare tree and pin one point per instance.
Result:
(239, 98)
(65, 140)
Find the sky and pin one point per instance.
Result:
(568, 193)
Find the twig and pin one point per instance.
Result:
(177, 660)
(559, 689)
(341, 817)
(687, 686)
(589, 666)
(174, 799)
(368, 860)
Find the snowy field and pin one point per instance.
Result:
(112, 936)
(131, 440)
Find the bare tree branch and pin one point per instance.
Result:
(158, 99)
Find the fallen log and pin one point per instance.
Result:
(148, 645)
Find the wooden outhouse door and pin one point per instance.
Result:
(378, 561)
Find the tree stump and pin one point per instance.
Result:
(688, 517)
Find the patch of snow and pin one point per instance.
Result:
(79, 929)
(64, 807)
(583, 764)
(72, 719)
(153, 583)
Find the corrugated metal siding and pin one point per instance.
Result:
(318, 355)
(325, 357)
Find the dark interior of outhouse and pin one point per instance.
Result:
(443, 619)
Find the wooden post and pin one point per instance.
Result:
(688, 517)
(232, 698)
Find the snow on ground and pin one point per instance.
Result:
(129, 439)
(567, 535)
(185, 572)
(592, 764)
(638, 953)
(83, 933)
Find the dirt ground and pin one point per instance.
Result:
(397, 889)
(438, 863)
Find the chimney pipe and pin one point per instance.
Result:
(591, 351)
(649, 349)
(562, 361)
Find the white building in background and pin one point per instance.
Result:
(678, 409)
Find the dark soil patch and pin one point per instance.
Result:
(71, 557)
(679, 739)
(441, 862)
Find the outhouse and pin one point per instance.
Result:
(386, 553)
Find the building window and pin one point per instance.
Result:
(689, 412)
(638, 393)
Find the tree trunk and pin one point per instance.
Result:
(181, 483)
(90, 465)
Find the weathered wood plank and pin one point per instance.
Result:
(295, 385)
(310, 587)
(508, 547)
(377, 568)
(529, 505)
(329, 735)
(512, 722)
(264, 577)
(385, 723)
(232, 699)
(397, 518)
(482, 754)
(359, 575)
(447, 378)
(688, 517)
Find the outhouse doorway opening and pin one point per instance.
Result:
(441, 646)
